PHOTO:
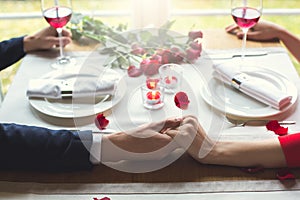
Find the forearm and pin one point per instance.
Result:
(291, 41)
(109, 153)
(119, 146)
(143, 143)
(266, 153)
(37, 148)
(11, 51)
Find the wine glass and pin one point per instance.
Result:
(246, 14)
(58, 13)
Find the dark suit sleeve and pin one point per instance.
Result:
(11, 51)
(35, 148)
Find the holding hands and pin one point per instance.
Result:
(193, 138)
(156, 140)
(146, 142)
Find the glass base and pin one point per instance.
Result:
(153, 106)
(170, 90)
(63, 62)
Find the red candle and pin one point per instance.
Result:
(153, 97)
(170, 81)
(152, 83)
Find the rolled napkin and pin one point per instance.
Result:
(79, 87)
(256, 87)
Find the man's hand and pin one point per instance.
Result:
(45, 39)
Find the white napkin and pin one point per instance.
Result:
(79, 87)
(255, 87)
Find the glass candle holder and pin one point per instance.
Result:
(171, 77)
(153, 98)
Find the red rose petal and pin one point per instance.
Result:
(195, 34)
(101, 122)
(181, 100)
(281, 131)
(132, 71)
(272, 125)
(150, 67)
(276, 128)
(192, 54)
(285, 174)
(196, 45)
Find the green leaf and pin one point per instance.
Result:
(123, 50)
(167, 25)
(76, 34)
(105, 50)
(123, 62)
(76, 18)
(120, 38)
(109, 61)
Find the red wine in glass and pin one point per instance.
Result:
(246, 13)
(245, 17)
(57, 16)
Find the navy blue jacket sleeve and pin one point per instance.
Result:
(11, 51)
(40, 149)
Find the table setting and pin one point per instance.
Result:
(66, 93)
(131, 104)
(130, 111)
(234, 93)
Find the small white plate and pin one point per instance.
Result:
(69, 108)
(235, 104)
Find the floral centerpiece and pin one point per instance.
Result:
(142, 51)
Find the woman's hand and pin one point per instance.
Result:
(191, 136)
(45, 39)
(262, 31)
(268, 31)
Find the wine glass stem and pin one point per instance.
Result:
(59, 32)
(245, 31)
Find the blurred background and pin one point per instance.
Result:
(22, 17)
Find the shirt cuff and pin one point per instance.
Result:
(95, 151)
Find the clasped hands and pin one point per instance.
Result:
(156, 140)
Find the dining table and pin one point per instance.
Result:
(182, 177)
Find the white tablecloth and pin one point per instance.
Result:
(128, 113)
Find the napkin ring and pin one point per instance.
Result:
(238, 79)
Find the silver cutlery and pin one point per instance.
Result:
(256, 122)
(85, 100)
(230, 55)
(70, 95)
(217, 56)
(104, 131)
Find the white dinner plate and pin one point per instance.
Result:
(235, 104)
(70, 108)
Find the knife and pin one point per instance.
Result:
(219, 56)
(104, 131)
(258, 122)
